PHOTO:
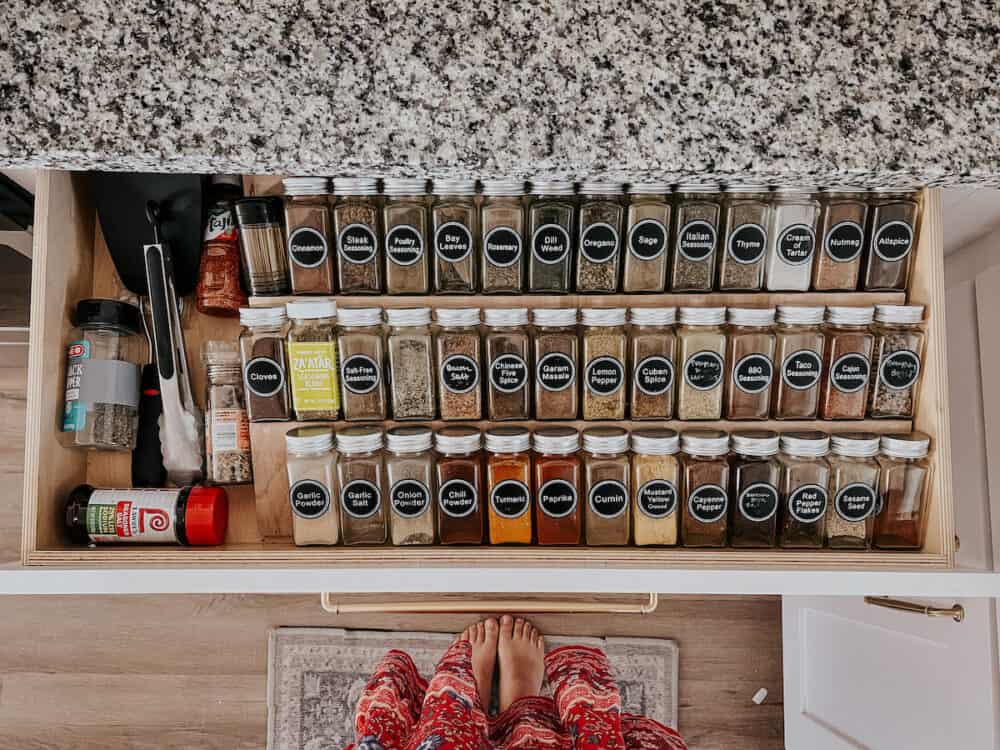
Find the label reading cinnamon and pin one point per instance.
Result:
(599, 243)
(309, 499)
(696, 240)
(557, 498)
(608, 499)
(604, 376)
(502, 247)
(307, 247)
(457, 498)
(550, 244)
(752, 374)
(708, 503)
(900, 370)
(657, 498)
(404, 245)
(453, 242)
(510, 499)
(647, 239)
(409, 498)
(747, 243)
(849, 374)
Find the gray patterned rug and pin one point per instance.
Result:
(315, 677)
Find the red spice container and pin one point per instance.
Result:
(218, 291)
(557, 479)
(460, 485)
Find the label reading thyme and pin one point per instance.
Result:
(747, 243)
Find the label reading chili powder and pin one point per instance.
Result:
(657, 498)
(703, 370)
(264, 377)
(796, 244)
(502, 246)
(801, 370)
(360, 374)
(309, 499)
(510, 499)
(556, 371)
(508, 373)
(404, 245)
(855, 502)
(708, 503)
(893, 241)
(459, 373)
(758, 502)
(608, 499)
(409, 498)
(696, 240)
(900, 370)
(550, 244)
(358, 244)
(747, 243)
(599, 243)
(647, 239)
(457, 498)
(307, 247)
(844, 241)
(360, 499)
(605, 376)
(654, 375)
(557, 498)
(752, 374)
(807, 504)
(849, 373)
(453, 241)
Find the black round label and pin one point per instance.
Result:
(696, 240)
(647, 239)
(307, 247)
(453, 241)
(654, 376)
(752, 374)
(608, 498)
(708, 503)
(893, 241)
(855, 502)
(360, 374)
(309, 499)
(807, 504)
(555, 371)
(801, 370)
(459, 373)
(358, 244)
(510, 499)
(604, 376)
(747, 243)
(849, 373)
(360, 498)
(796, 244)
(657, 498)
(404, 245)
(264, 377)
(502, 246)
(844, 241)
(557, 498)
(457, 498)
(599, 243)
(758, 502)
(508, 373)
(550, 244)
(409, 498)
(900, 370)
(703, 370)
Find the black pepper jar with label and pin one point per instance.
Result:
(755, 478)
(599, 248)
(647, 238)
(696, 237)
(747, 213)
(892, 236)
(551, 228)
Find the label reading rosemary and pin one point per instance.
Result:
(502, 246)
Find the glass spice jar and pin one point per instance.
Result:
(459, 473)
(218, 291)
(599, 248)
(508, 352)
(551, 227)
(655, 487)
(799, 347)
(843, 216)
(792, 235)
(405, 220)
(361, 479)
(903, 483)
(312, 360)
(262, 354)
(508, 485)
(606, 482)
(558, 518)
(647, 237)
(455, 219)
(755, 474)
(411, 363)
(652, 348)
(696, 237)
(502, 220)
(409, 471)
(892, 231)
(604, 357)
(701, 353)
(311, 465)
(847, 362)
(854, 475)
(361, 348)
(898, 355)
(804, 488)
(705, 506)
(357, 222)
(557, 355)
(262, 241)
(751, 362)
(308, 233)
(459, 363)
(227, 429)
(747, 215)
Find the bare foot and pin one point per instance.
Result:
(483, 637)
(521, 651)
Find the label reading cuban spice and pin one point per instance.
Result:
(309, 499)
(557, 498)
(307, 247)
(707, 503)
(849, 373)
(844, 241)
(647, 239)
(796, 244)
(752, 374)
(657, 498)
(510, 499)
(132, 515)
(457, 498)
(801, 370)
(264, 377)
(404, 245)
(654, 375)
(893, 241)
(900, 370)
(696, 240)
(409, 498)
(605, 376)
(360, 374)
(608, 499)
(556, 371)
(703, 370)
(855, 502)
(758, 502)
(550, 244)
(453, 242)
(502, 247)
(358, 243)
(508, 373)
(360, 499)
(747, 243)
(459, 373)
(599, 243)
(807, 504)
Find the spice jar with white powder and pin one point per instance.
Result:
(312, 487)
(791, 240)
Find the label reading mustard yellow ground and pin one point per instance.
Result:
(313, 375)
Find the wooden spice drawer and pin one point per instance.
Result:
(71, 262)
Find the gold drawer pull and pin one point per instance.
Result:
(955, 611)
(472, 606)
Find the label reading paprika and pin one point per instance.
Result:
(557, 498)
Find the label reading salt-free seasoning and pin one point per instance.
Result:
(309, 499)
(404, 245)
(807, 504)
(453, 241)
(747, 243)
(703, 370)
(556, 371)
(508, 373)
(900, 370)
(360, 374)
(604, 376)
(849, 373)
(855, 502)
(758, 502)
(459, 373)
(510, 499)
(657, 498)
(696, 240)
(409, 498)
(502, 247)
(801, 370)
(752, 374)
(550, 244)
(457, 498)
(796, 244)
(893, 241)
(307, 247)
(844, 241)
(132, 515)
(608, 499)
(707, 503)
(357, 243)
(654, 375)
(264, 377)
(599, 242)
(557, 498)
(360, 498)
(647, 239)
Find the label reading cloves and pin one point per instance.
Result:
(557, 498)
(707, 503)
(647, 239)
(703, 370)
(550, 244)
(654, 376)
(360, 498)
(849, 373)
(358, 244)
(608, 499)
(404, 245)
(696, 240)
(264, 377)
(309, 499)
(556, 371)
(807, 504)
(752, 374)
(657, 498)
(457, 498)
(409, 498)
(510, 499)
(844, 241)
(801, 370)
(855, 502)
(758, 502)
(307, 247)
(796, 244)
(502, 247)
(453, 242)
(459, 373)
(893, 241)
(599, 242)
(900, 370)
(604, 376)
(508, 373)
(360, 374)
(747, 243)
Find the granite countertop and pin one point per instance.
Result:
(885, 91)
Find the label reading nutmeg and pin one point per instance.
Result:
(654, 375)
(900, 370)
(708, 503)
(360, 374)
(801, 370)
(508, 373)
(453, 242)
(855, 502)
(807, 503)
(647, 239)
(608, 498)
(758, 502)
(550, 244)
(457, 498)
(752, 374)
(404, 245)
(556, 371)
(360, 498)
(796, 244)
(604, 376)
(557, 498)
(358, 244)
(502, 247)
(747, 243)
(459, 373)
(409, 498)
(510, 499)
(599, 242)
(657, 498)
(309, 499)
(844, 241)
(696, 240)
(703, 370)
(307, 247)
(849, 374)
(893, 241)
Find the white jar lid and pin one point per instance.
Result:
(312, 309)
(605, 440)
(655, 442)
(747, 187)
(359, 439)
(911, 445)
(806, 443)
(796, 189)
(698, 187)
(404, 185)
(557, 441)
(652, 316)
(355, 186)
(855, 444)
(605, 316)
(465, 186)
(503, 187)
(800, 316)
(905, 314)
(705, 442)
(457, 317)
(506, 316)
(703, 316)
(555, 317)
(850, 316)
(600, 187)
(508, 440)
(357, 317)
(263, 316)
(542, 186)
(306, 185)
(459, 439)
(842, 189)
(649, 188)
(309, 440)
(751, 316)
(409, 439)
(755, 442)
(408, 316)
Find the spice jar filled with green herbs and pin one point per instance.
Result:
(455, 221)
(357, 223)
(551, 228)
(459, 363)
(697, 214)
(405, 220)
(792, 240)
(799, 349)
(227, 429)
(804, 489)
(411, 363)
(854, 475)
(309, 233)
(508, 358)
(755, 476)
(599, 247)
(746, 216)
(503, 223)
(312, 360)
(892, 237)
(264, 360)
(701, 355)
(843, 217)
(361, 346)
(647, 237)
(898, 360)
(904, 479)
(605, 353)
(751, 362)
(557, 358)
(652, 349)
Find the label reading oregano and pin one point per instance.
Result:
(404, 245)
(360, 374)
(309, 499)
(849, 373)
(796, 244)
(510, 499)
(703, 370)
(747, 243)
(358, 244)
(608, 499)
(807, 504)
(752, 374)
(844, 241)
(605, 376)
(307, 247)
(801, 370)
(453, 242)
(647, 239)
(900, 370)
(459, 373)
(264, 377)
(599, 243)
(557, 498)
(855, 502)
(696, 240)
(758, 502)
(657, 498)
(893, 241)
(508, 373)
(654, 376)
(550, 244)
(556, 371)
(502, 246)
(409, 498)
(360, 498)
(457, 498)
(707, 503)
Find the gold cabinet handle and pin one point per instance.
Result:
(956, 611)
(472, 606)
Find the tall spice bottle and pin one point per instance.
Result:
(405, 219)
(502, 220)
(558, 517)
(557, 360)
(598, 259)
(747, 211)
(606, 482)
(697, 214)
(854, 476)
(701, 354)
(655, 487)
(411, 363)
(792, 236)
(847, 362)
(262, 241)
(705, 502)
(604, 361)
(409, 470)
(652, 349)
(219, 291)
(755, 473)
(892, 237)
(898, 359)
(751, 363)
(843, 216)
(312, 360)
(799, 348)
(460, 481)
(459, 363)
(508, 358)
(361, 349)
(508, 485)
(308, 232)
(227, 429)
(361, 479)
(455, 221)
(903, 483)
(647, 238)
(551, 228)
(312, 485)
(357, 222)
(262, 354)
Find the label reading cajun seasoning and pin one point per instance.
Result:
(657, 498)
(654, 375)
(703, 370)
(900, 370)
(557, 498)
(758, 502)
(404, 245)
(358, 244)
(360, 498)
(707, 503)
(801, 370)
(893, 241)
(307, 247)
(605, 376)
(844, 241)
(508, 373)
(647, 239)
(132, 515)
(747, 243)
(807, 504)
(855, 502)
(360, 374)
(556, 371)
(453, 241)
(309, 499)
(457, 498)
(264, 377)
(849, 373)
(502, 246)
(696, 240)
(409, 498)
(599, 242)
(752, 374)
(550, 244)
(608, 499)
(796, 244)
(459, 373)
(510, 499)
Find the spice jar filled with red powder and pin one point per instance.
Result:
(219, 291)
(751, 362)
(558, 518)
(705, 472)
(847, 362)
(459, 472)
(799, 347)
(903, 483)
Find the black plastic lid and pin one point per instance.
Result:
(258, 211)
(96, 313)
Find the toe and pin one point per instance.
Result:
(506, 627)
(519, 628)
(478, 633)
(490, 629)
(540, 641)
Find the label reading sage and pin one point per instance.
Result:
(647, 239)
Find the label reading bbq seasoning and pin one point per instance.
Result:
(654, 376)
(599, 243)
(801, 370)
(608, 499)
(893, 241)
(557, 498)
(855, 502)
(844, 241)
(358, 244)
(453, 242)
(758, 502)
(457, 498)
(796, 244)
(708, 503)
(264, 377)
(703, 370)
(459, 373)
(550, 244)
(502, 247)
(605, 376)
(404, 245)
(747, 243)
(807, 504)
(556, 371)
(900, 370)
(508, 373)
(510, 499)
(696, 240)
(307, 247)
(360, 499)
(409, 498)
(657, 498)
(849, 373)
(752, 374)
(647, 239)
(360, 374)
(309, 499)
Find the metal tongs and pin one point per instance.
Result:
(181, 426)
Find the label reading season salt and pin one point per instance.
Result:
(647, 239)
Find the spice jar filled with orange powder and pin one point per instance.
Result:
(508, 485)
